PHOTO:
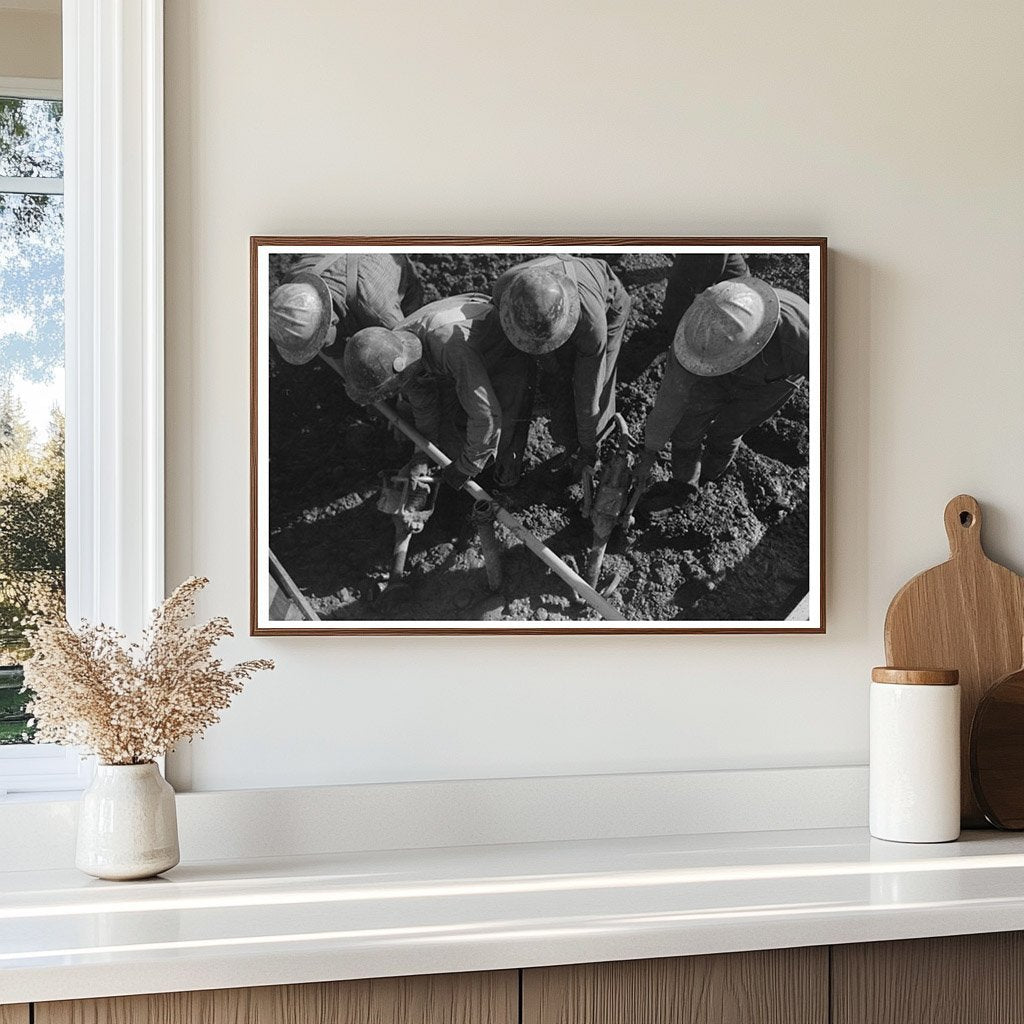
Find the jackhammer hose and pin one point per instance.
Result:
(483, 517)
(509, 521)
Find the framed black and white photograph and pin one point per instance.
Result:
(537, 435)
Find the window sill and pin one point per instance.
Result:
(42, 771)
(42, 797)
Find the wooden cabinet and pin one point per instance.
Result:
(962, 979)
(778, 986)
(970, 979)
(491, 998)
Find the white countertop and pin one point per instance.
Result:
(352, 915)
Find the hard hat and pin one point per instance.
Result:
(301, 318)
(377, 361)
(539, 309)
(726, 326)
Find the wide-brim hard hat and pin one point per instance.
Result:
(726, 326)
(377, 362)
(300, 318)
(539, 309)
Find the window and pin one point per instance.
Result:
(32, 531)
(112, 210)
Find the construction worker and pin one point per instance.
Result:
(467, 386)
(328, 298)
(690, 274)
(739, 353)
(571, 312)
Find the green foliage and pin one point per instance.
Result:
(31, 525)
(14, 719)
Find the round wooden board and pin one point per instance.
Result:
(997, 752)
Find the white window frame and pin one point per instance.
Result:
(114, 323)
(41, 767)
(32, 88)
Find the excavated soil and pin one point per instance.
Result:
(738, 551)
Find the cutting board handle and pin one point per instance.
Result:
(963, 526)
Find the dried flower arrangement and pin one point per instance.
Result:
(130, 703)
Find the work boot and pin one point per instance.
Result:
(686, 463)
(557, 473)
(507, 469)
(558, 465)
(509, 496)
(666, 496)
(716, 463)
(503, 483)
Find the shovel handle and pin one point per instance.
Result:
(604, 607)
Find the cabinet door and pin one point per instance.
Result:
(962, 979)
(14, 1014)
(490, 998)
(779, 986)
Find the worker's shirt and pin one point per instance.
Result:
(368, 289)
(786, 357)
(585, 355)
(461, 344)
(691, 273)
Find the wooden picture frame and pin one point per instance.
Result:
(318, 434)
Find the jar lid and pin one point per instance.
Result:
(916, 676)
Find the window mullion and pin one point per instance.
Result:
(32, 186)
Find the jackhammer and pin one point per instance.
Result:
(483, 516)
(409, 499)
(509, 521)
(609, 502)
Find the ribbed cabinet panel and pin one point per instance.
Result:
(960, 979)
(778, 986)
(479, 998)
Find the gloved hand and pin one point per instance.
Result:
(453, 477)
(645, 466)
(582, 459)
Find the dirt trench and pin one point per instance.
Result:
(738, 551)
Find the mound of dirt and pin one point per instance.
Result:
(738, 551)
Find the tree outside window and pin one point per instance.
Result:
(32, 529)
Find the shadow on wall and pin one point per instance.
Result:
(853, 289)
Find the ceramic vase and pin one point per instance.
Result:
(127, 825)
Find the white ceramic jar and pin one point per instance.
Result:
(915, 755)
(127, 823)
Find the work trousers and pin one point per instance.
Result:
(558, 375)
(512, 379)
(718, 412)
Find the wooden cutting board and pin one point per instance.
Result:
(967, 614)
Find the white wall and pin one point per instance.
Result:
(895, 129)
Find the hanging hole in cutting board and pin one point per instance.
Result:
(966, 519)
